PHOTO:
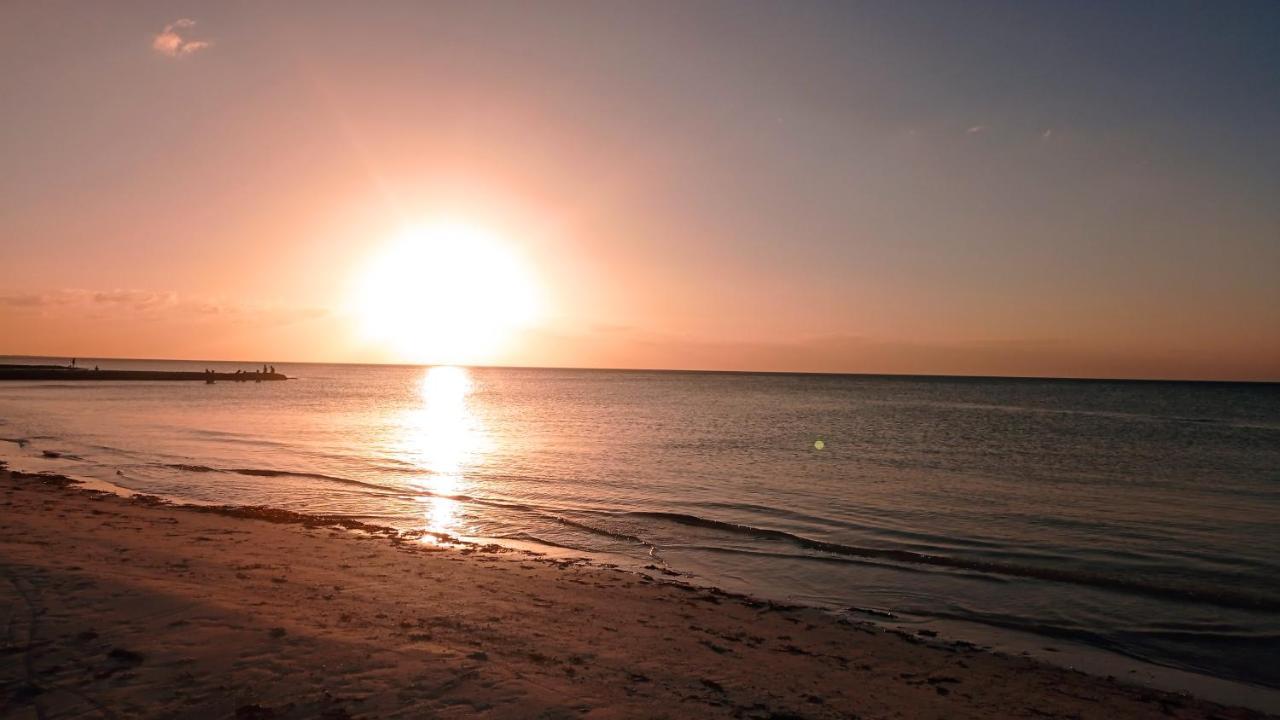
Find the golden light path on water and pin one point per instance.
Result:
(445, 439)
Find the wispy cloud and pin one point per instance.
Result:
(22, 300)
(1047, 134)
(42, 299)
(253, 314)
(137, 299)
(976, 129)
(154, 305)
(173, 41)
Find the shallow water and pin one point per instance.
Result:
(1138, 517)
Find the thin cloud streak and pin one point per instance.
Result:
(152, 304)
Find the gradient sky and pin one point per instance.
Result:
(1074, 189)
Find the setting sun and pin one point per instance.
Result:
(445, 292)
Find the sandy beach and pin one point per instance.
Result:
(118, 607)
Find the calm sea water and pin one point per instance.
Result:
(1143, 518)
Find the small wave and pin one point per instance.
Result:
(1236, 644)
(489, 502)
(279, 515)
(410, 492)
(531, 538)
(1223, 597)
(770, 511)
(265, 472)
(653, 549)
(601, 531)
(834, 560)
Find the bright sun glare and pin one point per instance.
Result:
(446, 292)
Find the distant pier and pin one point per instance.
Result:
(56, 372)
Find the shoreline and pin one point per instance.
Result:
(1051, 649)
(455, 630)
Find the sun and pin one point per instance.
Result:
(445, 293)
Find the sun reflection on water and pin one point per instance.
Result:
(445, 439)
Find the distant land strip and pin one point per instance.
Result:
(54, 372)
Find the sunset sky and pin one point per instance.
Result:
(1025, 188)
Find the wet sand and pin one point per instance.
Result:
(117, 608)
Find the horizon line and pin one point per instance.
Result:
(886, 375)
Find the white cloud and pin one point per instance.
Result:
(172, 41)
(976, 129)
(1048, 133)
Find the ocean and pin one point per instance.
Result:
(1137, 521)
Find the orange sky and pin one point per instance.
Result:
(840, 189)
